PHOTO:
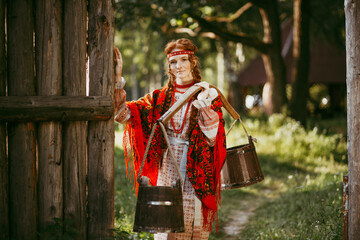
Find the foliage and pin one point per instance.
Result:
(144, 27)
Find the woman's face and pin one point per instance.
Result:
(180, 66)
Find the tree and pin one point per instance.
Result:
(255, 24)
(269, 46)
(301, 58)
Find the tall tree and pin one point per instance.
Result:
(352, 12)
(301, 59)
(269, 46)
(226, 28)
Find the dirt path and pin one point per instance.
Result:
(238, 220)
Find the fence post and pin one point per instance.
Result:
(48, 32)
(4, 177)
(74, 133)
(352, 27)
(21, 136)
(101, 133)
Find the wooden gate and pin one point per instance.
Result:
(56, 143)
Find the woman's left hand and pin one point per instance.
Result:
(206, 96)
(118, 64)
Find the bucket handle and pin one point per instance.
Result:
(148, 147)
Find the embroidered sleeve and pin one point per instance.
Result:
(123, 115)
(209, 124)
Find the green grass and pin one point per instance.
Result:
(300, 198)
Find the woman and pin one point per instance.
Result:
(196, 134)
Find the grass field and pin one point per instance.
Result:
(300, 198)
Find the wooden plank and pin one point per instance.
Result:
(48, 32)
(4, 177)
(101, 134)
(21, 136)
(352, 26)
(74, 133)
(56, 108)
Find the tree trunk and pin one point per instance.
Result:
(101, 138)
(74, 133)
(273, 61)
(234, 91)
(22, 141)
(4, 177)
(49, 82)
(352, 23)
(220, 62)
(301, 56)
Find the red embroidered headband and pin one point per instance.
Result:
(180, 53)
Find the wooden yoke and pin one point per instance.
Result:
(187, 96)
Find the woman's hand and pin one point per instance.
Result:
(205, 97)
(120, 94)
(118, 64)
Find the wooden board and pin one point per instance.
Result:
(22, 140)
(101, 134)
(4, 175)
(74, 133)
(55, 108)
(48, 32)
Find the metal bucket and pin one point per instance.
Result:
(159, 209)
(241, 167)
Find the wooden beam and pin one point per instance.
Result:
(74, 133)
(4, 170)
(48, 32)
(101, 134)
(21, 136)
(352, 27)
(56, 108)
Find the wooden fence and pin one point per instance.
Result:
(56, 143)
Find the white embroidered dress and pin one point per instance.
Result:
(179, 142)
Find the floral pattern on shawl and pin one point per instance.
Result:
(144, 113)
(204, 162)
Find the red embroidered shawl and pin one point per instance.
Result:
(203, 164)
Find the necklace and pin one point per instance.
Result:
(184, 119)
(184, 86)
